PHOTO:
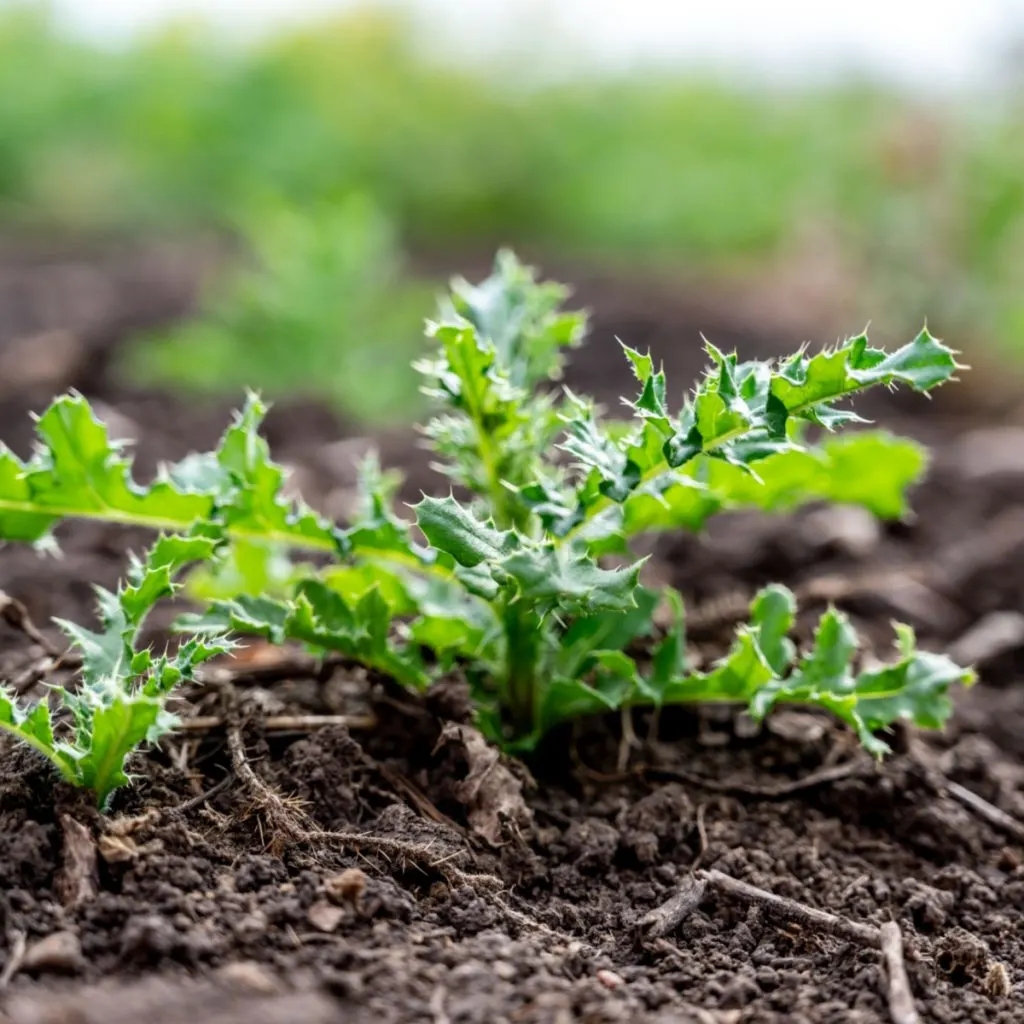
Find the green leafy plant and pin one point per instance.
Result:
(520, 577)
(320, 305)
(121, 700)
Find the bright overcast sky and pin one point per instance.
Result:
(946, 40)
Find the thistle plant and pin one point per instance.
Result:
(520, 577)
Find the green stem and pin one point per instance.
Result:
(654, 472)
(282, 537)
(523, 638)
(603, 503)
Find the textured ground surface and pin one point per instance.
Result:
(211, 914)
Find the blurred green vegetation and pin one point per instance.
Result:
(318, 306)
(184, 130)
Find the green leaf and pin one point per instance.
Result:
(454, 623)
(669, 658)
(915, 688)
(738, 433)
(34, 728)
(245, 567)
(872, 469)
(120, 702)
(118, 726)
(805, 384)
(604, 632)
(494, 343)
(457, 532)
(519, 318)
(558, 577)
(773, 613)
(320, 617)
(78, 472)
(109, 653)
(566, 699)
(736, 678)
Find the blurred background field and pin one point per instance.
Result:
(343, 162)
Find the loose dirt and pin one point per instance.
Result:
(388, 903)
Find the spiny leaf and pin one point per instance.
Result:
(120, 702)
(759, 671)
(805, 384)
(520, 319)
(744, 416)
(872, 469)
(558, 577)
(34, 727)
(118, 725)
(107, 655)
(320, 617)
(78, 472)
(454, 530)
(914, 688)
(602, 632)
(495, 342)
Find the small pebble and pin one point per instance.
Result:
(60, 951)
(248, 976)
(324, 916)
(347, 888)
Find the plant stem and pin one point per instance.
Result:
(523, 640)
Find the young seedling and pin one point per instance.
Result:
(120, 702)
(511, 582)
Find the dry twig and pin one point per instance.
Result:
(790, 910)
(856, 768)
(16, 615)
(702, 832)
(665, 919)
(901, 1001)
(280, 723)
(983, 809)
(15, 958)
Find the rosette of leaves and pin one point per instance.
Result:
(521, 577)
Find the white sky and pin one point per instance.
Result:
(946, 41)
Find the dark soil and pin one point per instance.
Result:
(215, 914)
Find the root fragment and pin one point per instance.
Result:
(901, 1001)
(416, 853)
(790, 910)
(855, 768)
(15, 958)
(666, 919)
(285, 821)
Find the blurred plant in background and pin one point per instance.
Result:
(633, 169)
(318, 309)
